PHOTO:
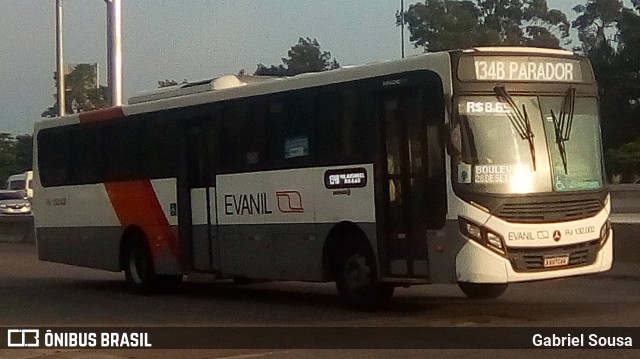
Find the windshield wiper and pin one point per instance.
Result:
(519, 120)
(563, 123)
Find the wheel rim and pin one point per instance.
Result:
(137, 266)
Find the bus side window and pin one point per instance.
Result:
(254, 133)
(290, 125)
(328, 115)
(212, 128)
(121, 150)
(345, 130)
(349, 118)
(232, 136)
(360, 135)
(86, 154)
(196, 156)
(53, 156)
(157, 147)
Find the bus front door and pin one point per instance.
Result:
(404, 148)
(200, 179)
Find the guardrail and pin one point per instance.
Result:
(625, 198)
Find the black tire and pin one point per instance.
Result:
(482, 290)
(357, 282)
(138, 267)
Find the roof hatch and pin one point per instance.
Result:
(217, 84)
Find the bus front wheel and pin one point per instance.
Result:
(482, 290)
(138, 267)
(358, 285)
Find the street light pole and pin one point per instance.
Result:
(114, 50)
(60, 60)
(402, 26)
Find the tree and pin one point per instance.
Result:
(610, 40)
(305, 56)
(438, 25)
(23, 150)
(624, 160)
(629, 38)
(82, 93)
(7, 156)
(544, 27)
(15, 154)
(594, 19)
(273, 70)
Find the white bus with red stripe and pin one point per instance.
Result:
(478, 167)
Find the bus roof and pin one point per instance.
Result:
(231, 86)
(522, 50)
(189, 88)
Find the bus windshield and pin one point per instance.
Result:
(514, 146)
(579, 167)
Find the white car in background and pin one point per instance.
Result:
(21, 182)
(14, 203)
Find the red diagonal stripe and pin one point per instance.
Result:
(136, 204)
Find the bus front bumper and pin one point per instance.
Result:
(477, 264)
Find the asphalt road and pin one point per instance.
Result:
(34, 293)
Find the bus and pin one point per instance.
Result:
(478, 167)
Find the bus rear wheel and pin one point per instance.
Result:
(482, 290)
(357, 282)
(138, 267)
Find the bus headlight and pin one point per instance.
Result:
(494, 240)
(481, 235)
(604, 232)
(471, 230)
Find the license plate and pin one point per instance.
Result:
(556, 261)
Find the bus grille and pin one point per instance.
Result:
(556, 211)
(532, 260)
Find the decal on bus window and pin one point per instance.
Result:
(493, 173)
(345, 178)
(501, 173)
(296, 147)
(481, 107)
(464, 173)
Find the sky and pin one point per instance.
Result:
(184, 39)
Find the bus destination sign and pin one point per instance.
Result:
(526, 69)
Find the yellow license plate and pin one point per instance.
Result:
(556, 261)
